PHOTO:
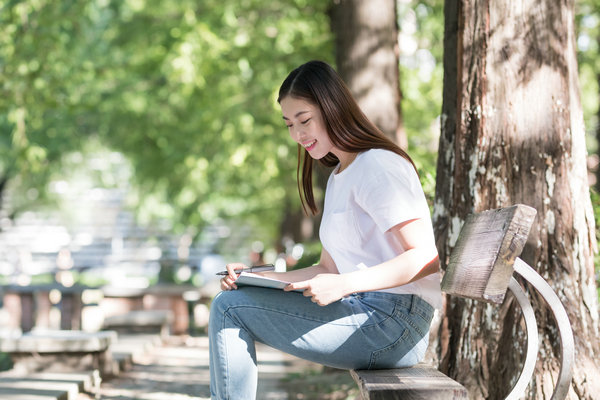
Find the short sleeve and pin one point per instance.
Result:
(393, 195)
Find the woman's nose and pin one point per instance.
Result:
(296, 133)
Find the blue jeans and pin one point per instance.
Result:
(362, 331)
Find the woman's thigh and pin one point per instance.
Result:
(371, 330)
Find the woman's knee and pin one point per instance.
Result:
(218, 307)
(221, 302)
(224, 301)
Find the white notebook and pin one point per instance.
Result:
(250, 279)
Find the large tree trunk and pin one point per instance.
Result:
(512, 132)
(366, 45)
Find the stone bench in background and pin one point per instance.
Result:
(61, 351)
(48, 385)
(142, 321)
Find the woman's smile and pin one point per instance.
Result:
(310, 144)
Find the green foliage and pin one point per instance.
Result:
(90, 281)
(311, 255)
(185, 89)
(421, 26)
(588, 54)
(194, 111)
(5, 362)
(42, 279)
(587, 21)
(40, 83)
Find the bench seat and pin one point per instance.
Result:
(422, 382)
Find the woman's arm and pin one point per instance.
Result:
(419, 260)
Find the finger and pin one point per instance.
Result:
(224, 285)
(231, 268)
(228, 284)
(290, 287)
(302, 285)
(231, 282)
(318, 302)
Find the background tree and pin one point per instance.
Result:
(367, 58)
(512, 132)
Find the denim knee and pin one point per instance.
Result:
(223, 302)
(218, 307)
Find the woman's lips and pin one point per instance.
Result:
(310, 145)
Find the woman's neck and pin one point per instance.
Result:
(346, 159)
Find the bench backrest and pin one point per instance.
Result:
(481, 263)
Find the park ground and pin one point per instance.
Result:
(178, 370)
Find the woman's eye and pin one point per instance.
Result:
(305, 122)
(289, 126)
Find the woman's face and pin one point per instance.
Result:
(306, 126)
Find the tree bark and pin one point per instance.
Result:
(367, 58)
(512, 132)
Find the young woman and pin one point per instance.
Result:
(369, 301)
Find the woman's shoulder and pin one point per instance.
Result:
(385, 159)
(380, 166)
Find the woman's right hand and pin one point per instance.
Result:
(228, 282)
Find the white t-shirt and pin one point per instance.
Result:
(377, 191)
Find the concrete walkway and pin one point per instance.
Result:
(178, 370)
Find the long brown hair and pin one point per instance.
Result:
(347, 126)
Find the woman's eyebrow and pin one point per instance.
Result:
(297, 114)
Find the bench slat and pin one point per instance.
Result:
(420, 382)
(481, 263)
(58, 342)
(46, 386)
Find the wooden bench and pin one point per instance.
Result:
(481, 267)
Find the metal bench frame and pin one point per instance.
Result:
(564, 329)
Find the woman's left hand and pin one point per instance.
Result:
(323, 288)
(228, 281)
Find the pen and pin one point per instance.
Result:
(256, 268)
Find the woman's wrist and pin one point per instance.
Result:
(349, 284)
